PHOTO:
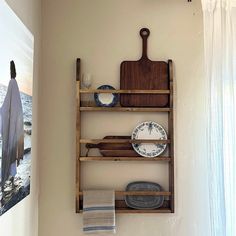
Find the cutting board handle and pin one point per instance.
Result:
(144, 33)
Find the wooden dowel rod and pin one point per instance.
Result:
(143, 211)
(93, 158)
(131, 109)
(132, 211)
(139, 193)
(97, 141)
(85, 91)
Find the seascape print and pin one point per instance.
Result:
(16, 79)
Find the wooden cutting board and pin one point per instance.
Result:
(144, 74)
(115, 149)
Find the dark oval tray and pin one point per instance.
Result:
(144, 202)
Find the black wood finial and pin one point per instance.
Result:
(13, 69)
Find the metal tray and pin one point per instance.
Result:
(144, 202)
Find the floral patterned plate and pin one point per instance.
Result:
(149, 130)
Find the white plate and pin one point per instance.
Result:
(107, 99)
(149, 130)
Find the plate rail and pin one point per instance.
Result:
(168, 206)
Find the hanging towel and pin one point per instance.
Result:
(12, 131)
(99, 211)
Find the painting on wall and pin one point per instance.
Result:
(16, 78)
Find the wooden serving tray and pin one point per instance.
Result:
(147, 75)
(114, 149)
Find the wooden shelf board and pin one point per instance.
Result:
(133, 211)
(97, 141)
(128, 210)
(139, 158)
(138, 193)
(121, 207)
(136, 91)
(129, 109)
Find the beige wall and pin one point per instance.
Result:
(22, 220)
(104, 33)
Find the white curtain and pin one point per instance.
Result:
(220, 66)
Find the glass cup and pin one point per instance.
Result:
(87, 83)
(87, 80)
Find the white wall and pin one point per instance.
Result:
(22, 219)
(104, 33)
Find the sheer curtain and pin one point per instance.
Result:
(220, 66)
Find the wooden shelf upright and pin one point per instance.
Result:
(168, 206)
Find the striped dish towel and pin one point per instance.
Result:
(99, 211)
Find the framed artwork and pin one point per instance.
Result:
(16, 79)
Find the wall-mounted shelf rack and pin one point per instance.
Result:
(168, 206)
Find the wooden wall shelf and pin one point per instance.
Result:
(93, 158)
(122, 208)
(89, 91)
(125, 109)
(134, 211)
(168, 206)
(138, 193)
(97, 141)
